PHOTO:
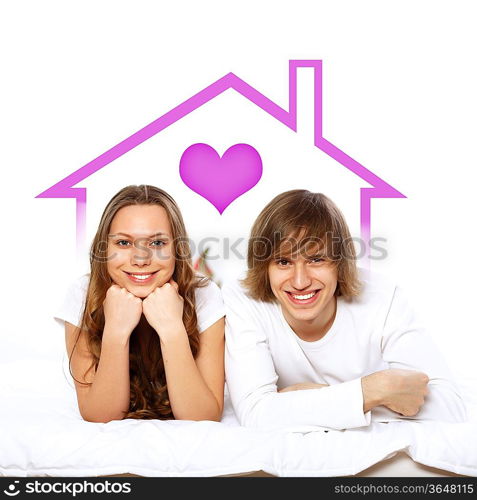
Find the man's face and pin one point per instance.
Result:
(305, 288)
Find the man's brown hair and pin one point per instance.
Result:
(305, 222)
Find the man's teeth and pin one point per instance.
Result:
(304, 297)
(141, 276)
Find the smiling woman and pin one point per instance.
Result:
(144, 332)
(140, 259)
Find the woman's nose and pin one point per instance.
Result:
(140, 253)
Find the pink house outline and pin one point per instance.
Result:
(379, 188)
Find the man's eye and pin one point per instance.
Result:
(317, 259)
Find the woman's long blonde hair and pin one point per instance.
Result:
(148, 388)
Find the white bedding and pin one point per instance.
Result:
(42, 434)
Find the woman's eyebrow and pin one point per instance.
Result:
(112, 235)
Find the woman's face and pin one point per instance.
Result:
(140, 249)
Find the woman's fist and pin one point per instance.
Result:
(122, 311)
(163, 310)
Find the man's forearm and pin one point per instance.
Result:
(339, 406)
(303, 386)
(369, 385)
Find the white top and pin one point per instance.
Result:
(208, 302)
(376, 331)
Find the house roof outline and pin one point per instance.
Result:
(379, 188)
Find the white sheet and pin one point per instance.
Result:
(42, 434)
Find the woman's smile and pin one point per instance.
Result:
(140, 249)
(141, 278)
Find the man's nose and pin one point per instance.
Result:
(141, 254)
(301, 278)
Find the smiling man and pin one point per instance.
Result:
(313, 340)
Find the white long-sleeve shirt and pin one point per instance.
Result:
(376, 331)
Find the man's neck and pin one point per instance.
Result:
(316, 328)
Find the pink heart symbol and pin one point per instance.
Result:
(220, 180)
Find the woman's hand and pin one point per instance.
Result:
(163, 310)
(122, 312)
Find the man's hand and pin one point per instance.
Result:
(402, 391)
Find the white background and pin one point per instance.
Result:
(399, 84)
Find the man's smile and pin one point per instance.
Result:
(303, 298)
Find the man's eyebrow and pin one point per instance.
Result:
(112, 235)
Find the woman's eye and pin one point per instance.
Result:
(122, 243)
(158, 243)
(282, 262)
